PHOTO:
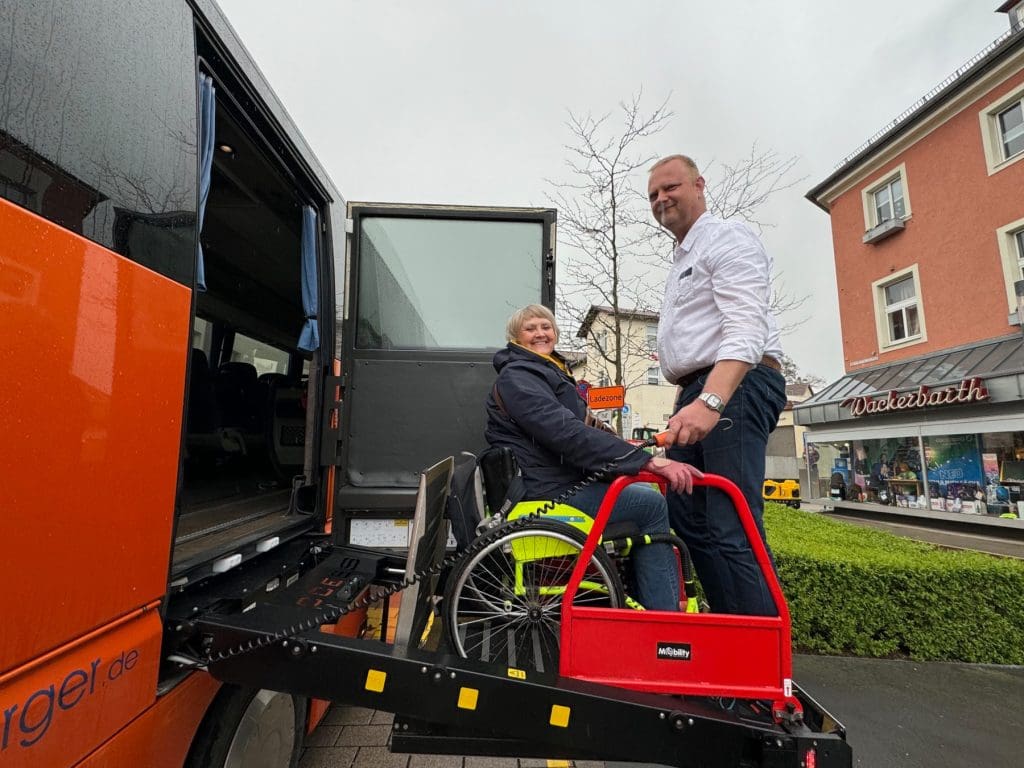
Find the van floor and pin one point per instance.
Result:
(212, 530)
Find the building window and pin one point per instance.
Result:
(1018, 242)
(899, 311)
(1002, 130)
(886, 199)
(601, 339)
(654, 375)
(1011, 252)
(604, 381)
(889, 201)
(652, 338)
(1016, 15)
(1011, 130)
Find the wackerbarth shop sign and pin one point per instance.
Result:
(967, 391)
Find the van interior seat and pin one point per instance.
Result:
(237, 393)
(266, 384)
(285, 422)
(202, 408)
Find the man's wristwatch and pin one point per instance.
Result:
(712, 401)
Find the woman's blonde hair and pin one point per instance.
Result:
(519, 318)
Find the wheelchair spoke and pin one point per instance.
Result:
(503, 603)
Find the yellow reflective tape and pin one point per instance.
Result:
(375, 680)
(558, 764)
(468, 697)
(518, 674)
(559, 716)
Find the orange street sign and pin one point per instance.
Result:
(602, 398)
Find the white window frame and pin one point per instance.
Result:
(991, 135)
(1016, 14)
(868, 196)
(651, 338)
(656, 376)
(882, 316)
(1012, 257)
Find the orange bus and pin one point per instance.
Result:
(222, 385)
(208, 355)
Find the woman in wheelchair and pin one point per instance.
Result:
(536, 411)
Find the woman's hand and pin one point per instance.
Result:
(679, 475)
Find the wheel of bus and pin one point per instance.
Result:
(503, 598)
(247, 728)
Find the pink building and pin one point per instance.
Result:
(928, 233)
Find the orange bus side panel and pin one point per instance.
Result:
(55, 712)
(92, 353)
(161, 737)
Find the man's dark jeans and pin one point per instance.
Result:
(707, 521)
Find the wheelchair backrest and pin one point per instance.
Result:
(498, 467)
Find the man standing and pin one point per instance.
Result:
(718, 341)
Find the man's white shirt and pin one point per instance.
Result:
(717, 297)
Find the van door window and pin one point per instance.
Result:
(433, 283)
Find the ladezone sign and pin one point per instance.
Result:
(967, 391)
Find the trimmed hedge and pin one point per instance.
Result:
(858, 591)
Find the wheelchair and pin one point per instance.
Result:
(503, 599)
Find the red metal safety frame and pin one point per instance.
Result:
(701, 654)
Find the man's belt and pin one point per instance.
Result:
(688, 378)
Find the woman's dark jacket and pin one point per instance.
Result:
(543, 424)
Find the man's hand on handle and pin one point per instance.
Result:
(691, 424)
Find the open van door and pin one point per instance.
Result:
(429, 291)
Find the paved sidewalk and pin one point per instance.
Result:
(353, 737)
(896, 521)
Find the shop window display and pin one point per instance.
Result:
(1002, 459)
(968, 474)
(955, 479)
(884, 471)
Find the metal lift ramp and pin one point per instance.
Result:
(446, 704)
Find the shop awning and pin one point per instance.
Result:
(999, 363)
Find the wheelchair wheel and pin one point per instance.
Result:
(503, 602)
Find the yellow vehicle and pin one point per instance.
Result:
(783, 491)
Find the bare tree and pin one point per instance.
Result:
(791, 371)
(611, 237)
(742, 188)
(602, 218)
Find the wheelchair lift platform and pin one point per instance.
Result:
(450, 705)
(261, 628)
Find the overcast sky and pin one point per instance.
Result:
(465, 101)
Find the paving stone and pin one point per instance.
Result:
(435, 761)
(340, 715)
(491, 762)
(364, 736)
(382, 718)
(324, 736)
(328, 757)
(380, 757)
(588, 764)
